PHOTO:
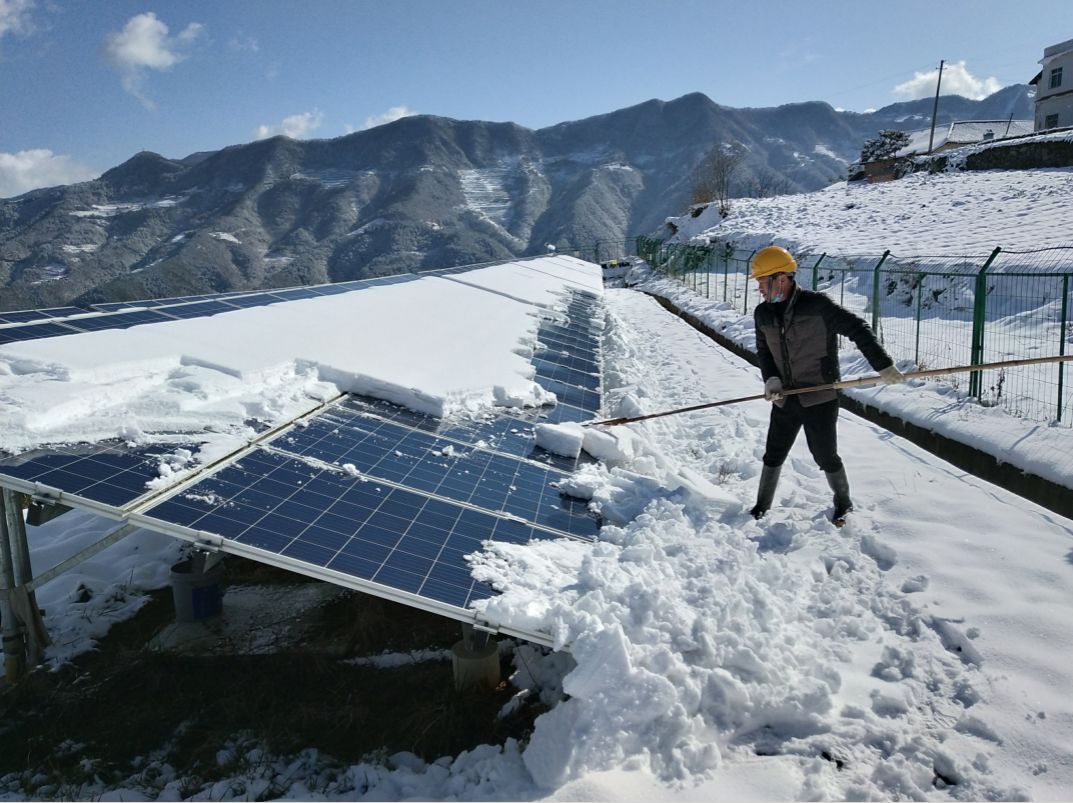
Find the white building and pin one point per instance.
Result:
(1054, 87)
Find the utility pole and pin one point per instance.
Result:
(935, 106)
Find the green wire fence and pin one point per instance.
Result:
(931, 311)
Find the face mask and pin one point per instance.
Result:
(777, 298)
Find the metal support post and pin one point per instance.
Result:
(10, 632)
(920, 295)
(816, 271)
(875, 292)
(748, 264)
(979, 319)
(24, 599)
(16, 529)
(475, 659)
(1062, 344)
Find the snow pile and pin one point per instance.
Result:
(612, 446)
(565, 439)
(704, 639)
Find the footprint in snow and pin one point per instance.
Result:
(884, 555)
(914, 584)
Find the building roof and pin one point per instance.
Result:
(964, 132)
(1054, 51)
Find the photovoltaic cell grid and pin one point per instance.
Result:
(126, 314)
(327, 518)
(30, 315)
(510, 432)
(433, 465)
(567, 359)
(109, 473)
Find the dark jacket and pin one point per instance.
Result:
(797, 341)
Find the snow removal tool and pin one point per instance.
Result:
(846, 383)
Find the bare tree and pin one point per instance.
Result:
(766, 182)
(712, 176)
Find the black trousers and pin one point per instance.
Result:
(820, 422)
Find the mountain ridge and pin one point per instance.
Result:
(420, 192)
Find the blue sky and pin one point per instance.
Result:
(84, 85)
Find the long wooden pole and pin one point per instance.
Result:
(846, 383)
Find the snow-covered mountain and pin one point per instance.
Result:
(420, 192)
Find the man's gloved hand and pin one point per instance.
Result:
(891, 375)
(773, 391)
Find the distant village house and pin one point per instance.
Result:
(958, 134)
(1054, 87)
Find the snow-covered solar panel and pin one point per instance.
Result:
(363, 493)
(116, 320)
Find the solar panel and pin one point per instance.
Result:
(439, 467)
(327, 518)
(238, 299)
(390, 498)
(295, 293)
(109, 473)
(26, 316)
(33, 331)
(510, 432)
(116, 320)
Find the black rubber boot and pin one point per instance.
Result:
(839, 483)
(769, 478)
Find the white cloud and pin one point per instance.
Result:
(29, 170)
(297, 126)
(957, 80)
(244, 44)
(15, 16)
(144, 45)
(390, 116)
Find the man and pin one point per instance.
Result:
(797, 346)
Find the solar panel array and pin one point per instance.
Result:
(32, 315)
(123, 315)
(396, 498)
(365, 492)
(567, 358)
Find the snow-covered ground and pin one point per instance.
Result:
(955, 214)
(923, 651)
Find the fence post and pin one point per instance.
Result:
(748, 276)
(815, 270)
(708, 273)
(1062, 343)
(920, 296)
(875, 291)
(979, 309)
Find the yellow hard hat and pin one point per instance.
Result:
(771, 260)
